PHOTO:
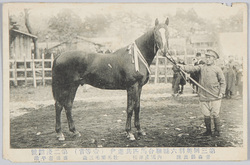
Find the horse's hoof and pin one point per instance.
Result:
(76, 134)
(60, 137)
(131, 137)
(142, 133)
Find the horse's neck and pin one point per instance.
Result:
(145, 44)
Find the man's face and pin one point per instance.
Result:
(198, 57)
(210, 60)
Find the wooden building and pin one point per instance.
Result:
(81, 43)
(20, 44)
(202, 42)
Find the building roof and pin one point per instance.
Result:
(44, 45)
(24, 33)
(177, 41)
(89, 40)
(202, 38)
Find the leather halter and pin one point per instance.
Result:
(156, 48)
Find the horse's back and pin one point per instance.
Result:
(72, 57)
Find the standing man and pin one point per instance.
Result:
(231, 78)
(178, 79)
(213, 80)
(239, 80)
(182, 77)
(199, 60)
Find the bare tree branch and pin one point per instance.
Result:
(30, 30)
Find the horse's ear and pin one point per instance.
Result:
(167, 21)
(156, 21)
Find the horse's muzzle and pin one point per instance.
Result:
(164, 52)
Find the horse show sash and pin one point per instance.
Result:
(136, 55)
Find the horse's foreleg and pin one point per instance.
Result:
(131, 101)
(59, 108)
(137, 111)
(68, 109)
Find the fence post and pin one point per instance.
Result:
(156, 68)
(25, 70)
(43, 80)
(33, 70)
(15, 71)
(52, 60)
(165, 66)
(185, 54)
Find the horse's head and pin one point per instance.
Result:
(161, 36)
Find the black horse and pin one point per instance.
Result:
(107, 71)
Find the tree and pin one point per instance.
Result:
(31, 31)
(192, 15)
(180, 13)
(65, 25)
(232, 24)
(187, 23)
(96, 24)
(127, 26)
(13, 25)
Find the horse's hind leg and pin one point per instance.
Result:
(59, 108)
(68, 109)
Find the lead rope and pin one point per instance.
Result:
(173, 62)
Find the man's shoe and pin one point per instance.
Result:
(208, 132)
(216, 127)
(216, 134)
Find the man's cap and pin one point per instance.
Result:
(181, 59)
(211, 52)
(198, 54)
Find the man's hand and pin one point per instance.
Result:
(179, 65)
(221, 95)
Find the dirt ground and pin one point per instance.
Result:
(100, 117)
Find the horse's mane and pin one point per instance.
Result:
(146, 35)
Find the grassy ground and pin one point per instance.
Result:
(100, 117)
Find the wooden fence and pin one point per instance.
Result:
(39, 71)
(162, 68)
(26, 71)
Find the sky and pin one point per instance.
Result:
(211, 11)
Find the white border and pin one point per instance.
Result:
(122, 1)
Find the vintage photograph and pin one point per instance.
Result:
(124, 81)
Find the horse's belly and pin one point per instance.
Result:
(105, 80)
(104, 84)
